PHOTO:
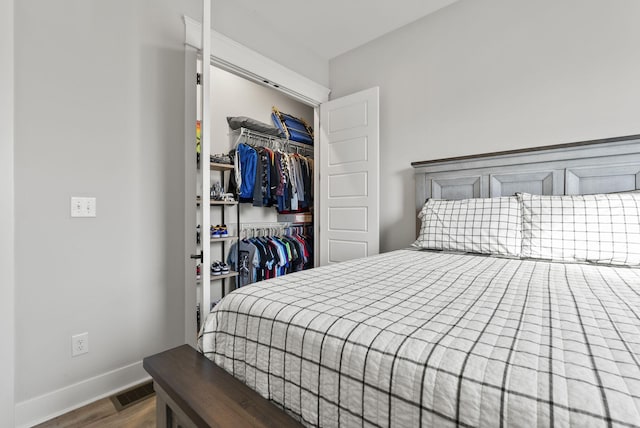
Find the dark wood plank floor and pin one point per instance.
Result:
(103, 414)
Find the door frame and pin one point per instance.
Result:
(240, 60)
(236, 58)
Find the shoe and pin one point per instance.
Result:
(216, 269)
(223, 231)
(224, 268)
(215, 231)
(216, 192)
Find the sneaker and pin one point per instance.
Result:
(216, 269)
(223, 231)
(216, 192)
(215, 231)
(224, 268)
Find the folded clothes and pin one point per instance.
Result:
(237, 122)
(220, 158)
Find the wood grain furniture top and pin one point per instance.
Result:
(208, 395)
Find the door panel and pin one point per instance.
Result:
(348, 185)
(341, 251)
(348, 151)
(348, 218)
(349, 177)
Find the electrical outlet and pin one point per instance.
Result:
(79, 344)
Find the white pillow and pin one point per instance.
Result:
(601, 228)
(487, 226)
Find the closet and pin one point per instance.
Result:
(343, 220)
(250, 216)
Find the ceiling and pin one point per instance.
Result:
(332, 27)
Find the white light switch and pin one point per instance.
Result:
(83, 207)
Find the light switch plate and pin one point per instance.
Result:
(83, 206)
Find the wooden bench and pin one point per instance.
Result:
(191, 391)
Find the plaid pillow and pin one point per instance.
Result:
(587, 228)
(487, 226)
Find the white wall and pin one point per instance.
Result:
(243, 25)
(7, 334)
(490, 75)
(99, 111)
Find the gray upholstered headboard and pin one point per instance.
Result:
(599, 166)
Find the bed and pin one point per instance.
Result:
(424, 337)
(418, 338)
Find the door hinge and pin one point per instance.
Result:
(198, 78)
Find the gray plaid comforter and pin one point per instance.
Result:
(425, 339)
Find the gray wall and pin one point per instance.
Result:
(481, 76)
(6, 214)
(99, 111)
(244, 26)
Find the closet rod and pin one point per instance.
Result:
(269, 228)
(278, 225)
(255, 135)
(276, 143)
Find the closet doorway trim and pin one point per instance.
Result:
(239, 59)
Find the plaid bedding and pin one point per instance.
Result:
(416, 338)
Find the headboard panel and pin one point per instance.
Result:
(599, 166)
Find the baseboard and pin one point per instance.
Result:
(47, 406)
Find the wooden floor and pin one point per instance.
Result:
(103, 414)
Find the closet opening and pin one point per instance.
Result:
(270, 232)
(345, 214)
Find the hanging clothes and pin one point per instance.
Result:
(267, 257)
(268, 177)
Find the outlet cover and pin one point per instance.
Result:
(79, 344)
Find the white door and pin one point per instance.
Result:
(349, 177)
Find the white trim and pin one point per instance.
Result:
(47, 406)
(191, 175)
(239, 59)
(7, 214)
(205, 151)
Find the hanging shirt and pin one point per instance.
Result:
(259, 186)
(236, 178)
(293, 178)
(306, 178)
(245, 263)
(274, 179)
(281, 176)
(248, 159)
(296, 252)
(299, 179)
